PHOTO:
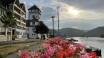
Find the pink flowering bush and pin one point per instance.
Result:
(23, 54)
(58, 47)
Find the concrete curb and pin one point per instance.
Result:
(18, 42)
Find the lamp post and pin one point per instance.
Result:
(58, 18)
(53, 24)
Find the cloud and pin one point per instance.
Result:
(86, 4)
(81, 24)
(91, 12)
(47, 12)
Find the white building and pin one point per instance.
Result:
(33, 19)
(19, 12)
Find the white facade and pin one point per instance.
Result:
(21, 33)
(31, 33)
(20, 14)
(33, 12)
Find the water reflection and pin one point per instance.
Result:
(96, 42)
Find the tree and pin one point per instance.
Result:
(8, 18)
(12, 23)
(5, 22)
(9, 22)
(41, 29)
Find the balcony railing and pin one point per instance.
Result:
(21, 24)
(19, 14)
(19, 8)
(18, 20)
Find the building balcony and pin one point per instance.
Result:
(21, 25)
(19, 14)
(18, 20)
(19, 8)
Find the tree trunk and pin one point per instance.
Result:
(6, 33)
(11, 33)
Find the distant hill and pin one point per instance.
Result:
(97, 32)
(71, 32)
(51, 32)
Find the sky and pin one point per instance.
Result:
(80, 14)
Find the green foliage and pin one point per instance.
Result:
(8, 20)
(11, 19)
(4, 20)
(1, 56)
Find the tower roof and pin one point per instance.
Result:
(34, 7)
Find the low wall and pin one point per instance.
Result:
(3, 38)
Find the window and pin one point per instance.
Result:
(31, 23)
(36, 23)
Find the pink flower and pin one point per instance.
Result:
(57, 39)
(60, 47)
(45, 55)
(79, 46)
(84, 56)
(24, 54)
(72, 48)
(48, 52)
(45, 45)
(35, 54)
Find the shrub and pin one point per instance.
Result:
(1, 56)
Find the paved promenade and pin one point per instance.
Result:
(18, 41)
(36, 46)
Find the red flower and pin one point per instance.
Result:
(68, 52)
(92, 54)
(60, 54)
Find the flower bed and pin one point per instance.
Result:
(58, 47)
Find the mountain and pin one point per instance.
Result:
(51, 32)
(97, 32)
(71, 32)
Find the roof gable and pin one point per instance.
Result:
(34, 7)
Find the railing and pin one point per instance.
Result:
(19, 14)
(19, 8)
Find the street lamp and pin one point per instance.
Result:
(58, 18)
(53, 24)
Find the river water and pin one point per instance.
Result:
(96, 42)
(93, 41)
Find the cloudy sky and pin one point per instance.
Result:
(80, 14)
